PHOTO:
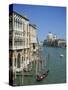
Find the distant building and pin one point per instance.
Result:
(51, 37)
(54, 37)
(52, 40)
(61, 43)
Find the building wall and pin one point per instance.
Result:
(51, 37)
(61, 43)
(22, 42)
(16, 41)
(33, 41)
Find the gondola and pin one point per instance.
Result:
(42, 76)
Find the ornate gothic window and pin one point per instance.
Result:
(18, 61)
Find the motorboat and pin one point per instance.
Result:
(61, 55)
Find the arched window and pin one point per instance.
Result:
(16, 23)
(15, 62)
(22, 59)
(18, 61)
(10, 62)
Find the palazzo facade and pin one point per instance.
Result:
(22, 43)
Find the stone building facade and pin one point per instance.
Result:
(33, 41)
(22, 43)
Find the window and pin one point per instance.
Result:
(20, 24)
(33, 46)
(10, 62)
(16, 23)
(18, 61)
(15, 62)
(22, 59)
(10, 24)
(10, 41)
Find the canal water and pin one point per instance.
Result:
(56, 65)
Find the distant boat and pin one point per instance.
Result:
(61, 55)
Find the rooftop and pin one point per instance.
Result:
(33, 25)
(10, 12)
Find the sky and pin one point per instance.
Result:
(47, 18)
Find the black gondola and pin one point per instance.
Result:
(42, 76)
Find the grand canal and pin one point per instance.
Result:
(55, 64)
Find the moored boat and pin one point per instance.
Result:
(42, 76)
